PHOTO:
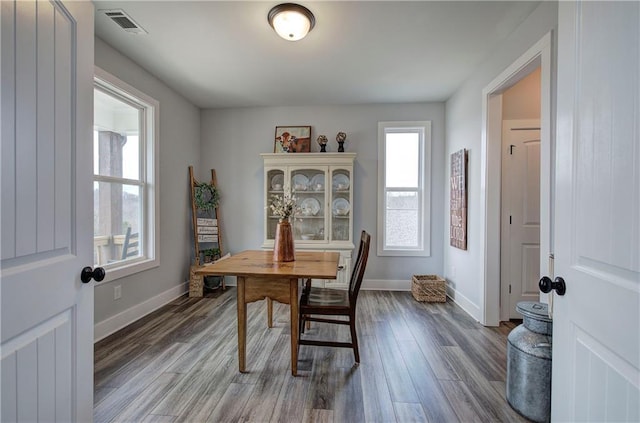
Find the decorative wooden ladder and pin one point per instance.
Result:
(206, 230)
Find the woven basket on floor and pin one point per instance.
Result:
(429, 288)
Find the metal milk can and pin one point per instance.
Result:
(529, 363)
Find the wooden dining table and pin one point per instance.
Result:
(259, 277)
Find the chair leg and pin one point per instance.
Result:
(354, 338)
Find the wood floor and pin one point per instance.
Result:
(420, 362)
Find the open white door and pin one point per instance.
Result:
(596, 324)
(47, 208)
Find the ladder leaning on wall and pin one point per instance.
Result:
(206, 225)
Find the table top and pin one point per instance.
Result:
(308, 264)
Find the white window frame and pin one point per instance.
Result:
(149, 138)
(423, 128)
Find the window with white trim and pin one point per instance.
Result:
(125, 223)
(404, 158)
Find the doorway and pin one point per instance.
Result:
(538, 56)
(520, 215)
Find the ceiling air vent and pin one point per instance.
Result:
(124, 21)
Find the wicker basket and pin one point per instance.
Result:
(429, 288)
(196, 283)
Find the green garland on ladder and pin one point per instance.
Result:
(206, 196)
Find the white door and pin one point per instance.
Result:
(596, 324)
(47, 209)
(520, 240)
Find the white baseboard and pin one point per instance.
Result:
(114, 323)
(464, 303)
(386, 285)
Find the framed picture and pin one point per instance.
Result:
(458, 200)
(292, 139)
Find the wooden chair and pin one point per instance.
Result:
(334, 302)
(130, 248)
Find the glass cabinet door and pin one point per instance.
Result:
(340, 204)
(275, 186)
(309, 188)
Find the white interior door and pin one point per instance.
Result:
(596, 324)
(47, 206)
(520, 238)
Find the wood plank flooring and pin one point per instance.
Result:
(420, 362)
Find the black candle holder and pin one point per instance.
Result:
(341, 137)
(322, 142)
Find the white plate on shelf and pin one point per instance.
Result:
(317, 182)
(277, 182)
(340, 207)
(309, 207)
(300, 182)
(340, 182)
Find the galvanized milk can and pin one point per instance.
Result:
(529, 363)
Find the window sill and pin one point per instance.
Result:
(117, 271)
(403, 253)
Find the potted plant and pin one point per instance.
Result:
(211, 254)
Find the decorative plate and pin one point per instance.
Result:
(340, 207)
(317, 182)
(300, 182)
(277, 182)
(340, 182)
(309, 207)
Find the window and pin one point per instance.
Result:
(404, 156)
(124, 177)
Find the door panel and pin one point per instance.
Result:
(47, 313)
(520, 238)
(596, 324)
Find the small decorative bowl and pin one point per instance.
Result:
(277, 187)
(318, 187)
(307, 237)
(342, 212)
(341, 187)
(300, 187)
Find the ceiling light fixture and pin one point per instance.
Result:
(291, 21)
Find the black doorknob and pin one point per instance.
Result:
(546, 285)
(87, 273)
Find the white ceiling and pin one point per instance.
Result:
(224, 54)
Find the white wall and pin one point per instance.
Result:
(232, 140)
(179, 148)
(464, 124)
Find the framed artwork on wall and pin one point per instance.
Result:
(458, 200)
(292, 139)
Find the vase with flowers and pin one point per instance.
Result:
(284, 208)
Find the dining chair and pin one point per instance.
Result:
(326, 304)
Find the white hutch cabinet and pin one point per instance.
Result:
(323, 186)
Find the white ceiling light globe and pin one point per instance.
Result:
(291, 21)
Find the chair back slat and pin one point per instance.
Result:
(358, 270)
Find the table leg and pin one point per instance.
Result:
(269, 312)
(293, 306)
(242, 325)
